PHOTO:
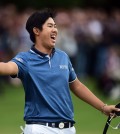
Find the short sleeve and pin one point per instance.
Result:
(21, 61)
(72, 74)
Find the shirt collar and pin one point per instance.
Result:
(40, 53)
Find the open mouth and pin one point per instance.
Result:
(53, 37)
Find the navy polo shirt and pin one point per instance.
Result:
(46, 84)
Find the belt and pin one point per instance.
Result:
(60, 125)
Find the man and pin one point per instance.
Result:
(47, 75)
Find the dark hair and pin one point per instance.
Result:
(37, 19)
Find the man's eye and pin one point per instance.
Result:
(50, 26)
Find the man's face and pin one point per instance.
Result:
(49, 33)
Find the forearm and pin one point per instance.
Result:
(87, 96)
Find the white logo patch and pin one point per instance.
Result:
(19, 59)
(63, 66)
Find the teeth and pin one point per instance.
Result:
(53, 36)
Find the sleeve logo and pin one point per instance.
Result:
(19, 59)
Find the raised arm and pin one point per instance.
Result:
(82, 92)
(9, 68)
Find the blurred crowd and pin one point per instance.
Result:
(91, 38)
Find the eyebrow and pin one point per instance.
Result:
(51, 23)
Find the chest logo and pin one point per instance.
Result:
(63, 66)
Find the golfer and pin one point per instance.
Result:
(47, 76)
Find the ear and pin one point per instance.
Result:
(36, 31)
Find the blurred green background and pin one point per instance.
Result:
(88, 120)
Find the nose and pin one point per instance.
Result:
(55, 30)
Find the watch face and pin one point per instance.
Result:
(117, 106)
